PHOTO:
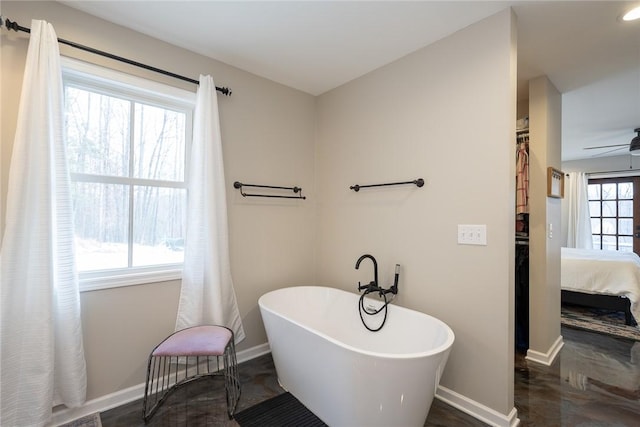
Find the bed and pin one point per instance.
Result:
(602, 279)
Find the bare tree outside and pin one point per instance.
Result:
(127, 162)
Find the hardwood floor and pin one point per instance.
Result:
(594, 382)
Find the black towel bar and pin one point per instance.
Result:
(296, 190)
(417, 182)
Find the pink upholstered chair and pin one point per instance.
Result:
(186, 356)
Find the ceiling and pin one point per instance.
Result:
(590, 55)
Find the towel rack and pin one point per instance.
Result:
(417, 182)
(296, 190)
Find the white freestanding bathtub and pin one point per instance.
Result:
(345, 374)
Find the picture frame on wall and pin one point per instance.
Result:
(555, 183)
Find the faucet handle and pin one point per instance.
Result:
(368, 286)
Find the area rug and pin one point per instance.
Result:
(282, 410)
(92, 420)
(600, 321)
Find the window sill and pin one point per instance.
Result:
(94, 282)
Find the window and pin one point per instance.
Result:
(611, 207)
(127, 146)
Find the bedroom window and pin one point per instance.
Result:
(612, 207)
(126, 142)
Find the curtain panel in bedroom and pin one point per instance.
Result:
(579, 221)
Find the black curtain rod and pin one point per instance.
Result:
(12, 25)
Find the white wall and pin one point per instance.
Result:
(445, 113)
(545, 117)
(268, 133)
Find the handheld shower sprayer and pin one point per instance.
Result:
(394, 288)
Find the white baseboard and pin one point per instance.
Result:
(476, 409)
(121, 397)
(548, 357)
(253, 352)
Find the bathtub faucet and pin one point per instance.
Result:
(373, 285)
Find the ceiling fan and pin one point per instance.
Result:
(634, 146)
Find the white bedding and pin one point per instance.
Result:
(602, 272)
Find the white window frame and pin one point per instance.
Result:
(111, 82)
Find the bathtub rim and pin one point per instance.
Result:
(444, 347)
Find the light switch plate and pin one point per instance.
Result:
(472, 234)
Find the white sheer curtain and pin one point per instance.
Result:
(579, 222)
(42, 353)
(207, 295)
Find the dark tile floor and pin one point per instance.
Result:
(594, 382)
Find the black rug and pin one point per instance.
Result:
(92, 420)
(600, 321)
(280, 411)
